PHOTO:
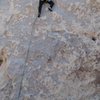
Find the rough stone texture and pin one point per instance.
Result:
(63, 62)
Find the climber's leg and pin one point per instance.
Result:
(40, 7)
(51, 3)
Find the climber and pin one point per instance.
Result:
(41, 2)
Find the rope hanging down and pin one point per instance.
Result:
(27, 54)
(25, 65)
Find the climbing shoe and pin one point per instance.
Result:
(50, 9)
(38, 15)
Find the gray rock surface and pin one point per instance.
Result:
(54, 57)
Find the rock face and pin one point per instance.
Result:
(54, 57)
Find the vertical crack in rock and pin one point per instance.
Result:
(25, 64)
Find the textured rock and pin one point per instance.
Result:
(54, 57)
(3, 68)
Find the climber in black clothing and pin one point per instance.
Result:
(41, 2)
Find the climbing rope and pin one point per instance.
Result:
(25, 65)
